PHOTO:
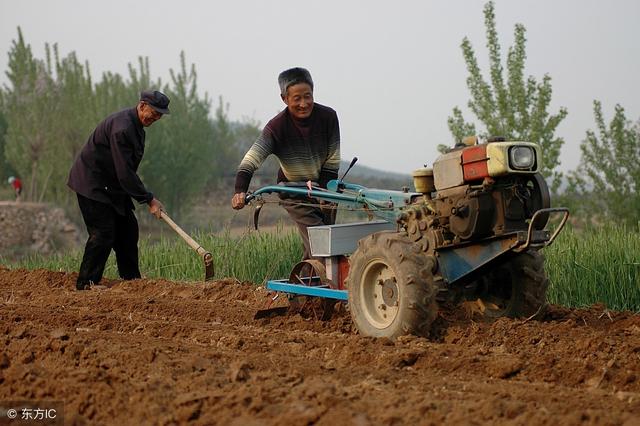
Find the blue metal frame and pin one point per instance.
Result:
(457, 262)
(306, 290)
(382, 203)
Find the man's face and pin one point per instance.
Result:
(147, 114)
(299, 100)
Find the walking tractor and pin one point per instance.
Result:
(471, 232)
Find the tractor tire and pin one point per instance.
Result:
(517, 288)
(391, 290)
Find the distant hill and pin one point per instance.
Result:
(360, 174)
(375, 178)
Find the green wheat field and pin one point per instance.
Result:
(587, 266)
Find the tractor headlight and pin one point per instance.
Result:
(522, 157)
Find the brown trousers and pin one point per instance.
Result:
(305, 216)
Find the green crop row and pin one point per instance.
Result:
(600, 265)
(253, 256)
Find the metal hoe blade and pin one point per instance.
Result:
(208, 266)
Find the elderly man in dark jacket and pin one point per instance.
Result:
(104, 176)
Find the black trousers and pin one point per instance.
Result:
(108, 230)
(305, 216)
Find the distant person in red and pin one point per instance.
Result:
(16, 183)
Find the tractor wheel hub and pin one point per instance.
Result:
(390, 292)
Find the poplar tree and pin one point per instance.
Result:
(232, 139)
(69, 121)
(509, 105)
(178, 157)
(5, 171)
(29, 103)
(608, 177)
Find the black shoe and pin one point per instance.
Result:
(83, 285)
(90, 286)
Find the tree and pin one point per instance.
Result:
(178, 158)
(29, 103)
(608, 177)
(516, 108)
(69, 122)
(231, 141)
(226, 150)
(51, 108)
(5, 169)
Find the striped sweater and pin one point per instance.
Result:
(307, 149)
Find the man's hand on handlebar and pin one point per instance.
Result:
(237, 202)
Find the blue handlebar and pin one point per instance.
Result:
(385, 204)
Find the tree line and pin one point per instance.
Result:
(50, 106)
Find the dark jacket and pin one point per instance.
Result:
(106, 168)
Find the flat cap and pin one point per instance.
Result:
(158, 100)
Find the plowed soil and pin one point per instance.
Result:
(161, 352)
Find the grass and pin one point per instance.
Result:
(252, 256)
(598, 265)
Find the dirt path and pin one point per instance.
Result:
(160, 352)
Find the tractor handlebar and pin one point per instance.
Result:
(248, 198)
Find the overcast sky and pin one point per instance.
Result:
(392, 70)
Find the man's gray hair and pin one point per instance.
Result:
(293, 76)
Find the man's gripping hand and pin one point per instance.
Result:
(155, 207)
(237, 202)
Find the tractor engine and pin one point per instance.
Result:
(477, 191)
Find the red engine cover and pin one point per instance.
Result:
(474, 163)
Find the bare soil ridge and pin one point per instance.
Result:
(161, 352)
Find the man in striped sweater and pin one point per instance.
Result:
(306, 139)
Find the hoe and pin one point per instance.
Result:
(470, 232)
(207, 258)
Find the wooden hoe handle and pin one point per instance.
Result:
(206, 256)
